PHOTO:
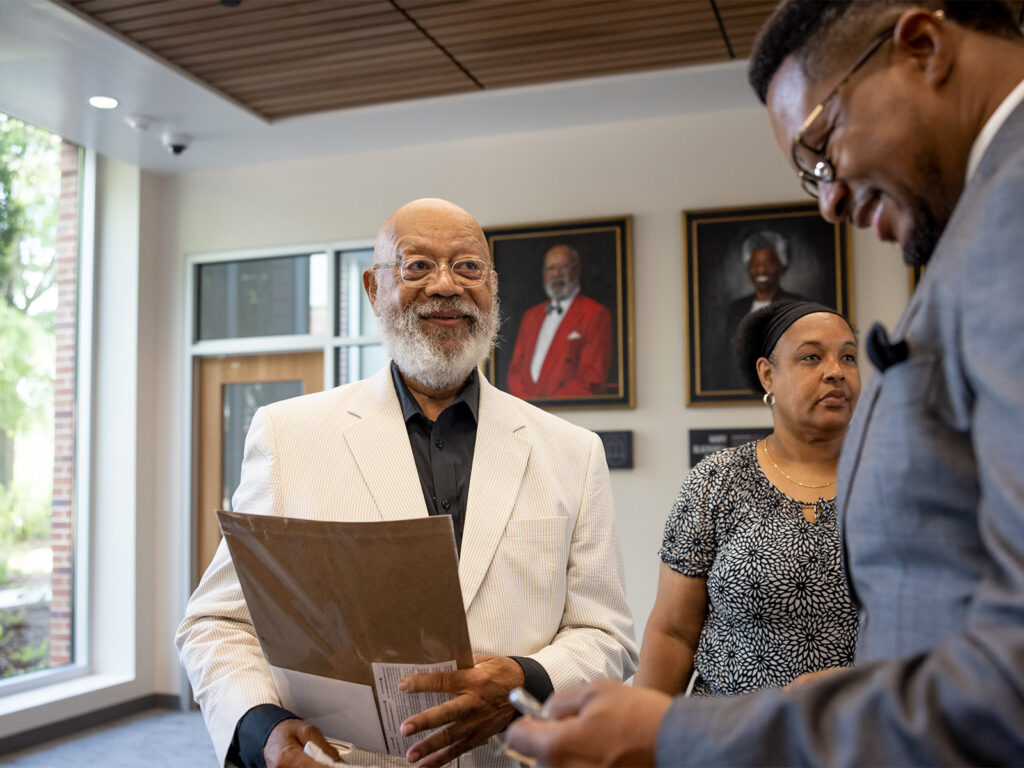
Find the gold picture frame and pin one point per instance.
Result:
(719, 290)
(590, 360)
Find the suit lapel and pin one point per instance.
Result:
(499, 462)
(380, 446)
(848, 463)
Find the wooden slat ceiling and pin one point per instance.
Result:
(282, 58)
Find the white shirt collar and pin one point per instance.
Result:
(991, 128)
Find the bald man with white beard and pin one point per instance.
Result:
(529, 495)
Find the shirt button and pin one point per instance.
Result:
(445, 503)
(439, 443)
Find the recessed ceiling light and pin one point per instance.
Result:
(103, 102)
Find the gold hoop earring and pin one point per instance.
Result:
(769, 399)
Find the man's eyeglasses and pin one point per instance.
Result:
(813, 167)
(469, 272)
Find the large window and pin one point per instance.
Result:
(275, 296)
(264, 303)
(39, 215)
(359, 351)
(265, 326)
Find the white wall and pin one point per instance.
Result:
(160, 433)
(651, 169)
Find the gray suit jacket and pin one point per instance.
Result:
(931, 488)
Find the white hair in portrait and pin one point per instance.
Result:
(766, 239)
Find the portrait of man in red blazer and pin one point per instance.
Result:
(564, 345)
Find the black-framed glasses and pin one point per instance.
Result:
(813, 167)
(468, 272)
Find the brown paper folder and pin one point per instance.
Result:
(329, 599)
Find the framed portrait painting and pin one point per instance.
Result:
(739, 259)
(566, 294)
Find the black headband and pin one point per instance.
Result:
(785, 317)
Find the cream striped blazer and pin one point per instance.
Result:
(540, 568)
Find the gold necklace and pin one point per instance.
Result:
(784, 472)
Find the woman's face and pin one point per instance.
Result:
(815, 378)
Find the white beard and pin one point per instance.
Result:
(416, 350)
(562, 291)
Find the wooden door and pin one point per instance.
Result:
(228, 392)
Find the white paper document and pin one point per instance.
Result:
(333, 706)
(396, 706)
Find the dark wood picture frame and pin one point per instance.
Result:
(719, 289)
(596, 334)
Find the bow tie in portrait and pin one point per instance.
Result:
(556, 307)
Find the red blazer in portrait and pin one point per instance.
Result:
(578, 359)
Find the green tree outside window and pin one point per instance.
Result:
(29, 192)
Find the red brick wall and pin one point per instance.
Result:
(62, 520)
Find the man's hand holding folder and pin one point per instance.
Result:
(478, 708)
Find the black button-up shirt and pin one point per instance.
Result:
(443, 449)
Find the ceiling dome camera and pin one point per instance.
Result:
(175, 142)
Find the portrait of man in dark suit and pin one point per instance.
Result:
(765, 256)
(739, 260)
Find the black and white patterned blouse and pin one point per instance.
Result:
(778, 605)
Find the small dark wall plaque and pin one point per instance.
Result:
(618, 448)
(705, 441)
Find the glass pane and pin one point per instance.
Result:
(355, 316)
(284, 295)
(318, 312)
(38, 314)
(358, 361)
(240, 404)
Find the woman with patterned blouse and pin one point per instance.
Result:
(751, 593)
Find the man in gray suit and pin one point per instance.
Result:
(907, 118)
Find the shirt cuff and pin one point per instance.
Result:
(251, 734)
(536, 680)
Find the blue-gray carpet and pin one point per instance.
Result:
(156, 737)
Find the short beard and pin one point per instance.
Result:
(926, 224)
(422, 353)
(922, 240)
